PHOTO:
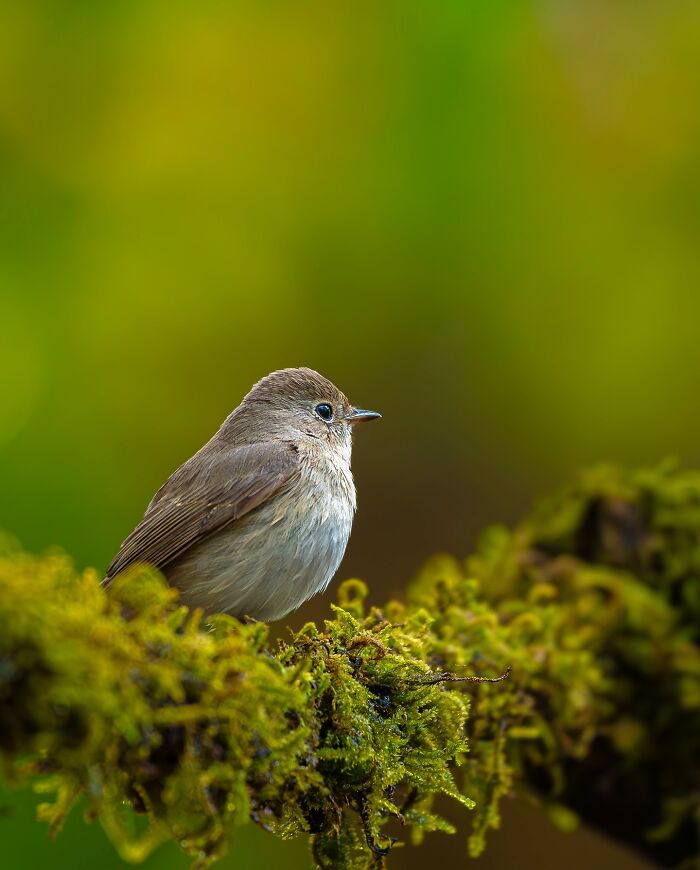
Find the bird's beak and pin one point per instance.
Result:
(359, 415)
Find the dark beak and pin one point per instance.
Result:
(359, 415)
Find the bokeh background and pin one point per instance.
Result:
(481, 218)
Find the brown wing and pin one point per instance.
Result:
(213, 489)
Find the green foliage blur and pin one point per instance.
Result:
(480, 218)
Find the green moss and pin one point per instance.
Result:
(129, 699)
(177, 728)
(612, 566)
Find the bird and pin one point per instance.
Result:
(257, 521)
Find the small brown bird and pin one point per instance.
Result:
(257, 521)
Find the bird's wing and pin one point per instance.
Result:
(201, 497)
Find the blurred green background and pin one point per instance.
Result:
(481, 218)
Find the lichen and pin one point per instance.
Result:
(176, 726)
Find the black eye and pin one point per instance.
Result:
(324, 411)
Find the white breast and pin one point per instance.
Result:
(271, 561)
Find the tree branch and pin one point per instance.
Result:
(134, 702)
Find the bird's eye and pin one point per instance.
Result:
(324, 411)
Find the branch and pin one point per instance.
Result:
(345, 733)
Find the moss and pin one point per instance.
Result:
(129, 698)
(347, 732)
(619, 553)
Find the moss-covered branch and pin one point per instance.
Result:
(175, 728)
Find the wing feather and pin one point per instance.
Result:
(212, 490)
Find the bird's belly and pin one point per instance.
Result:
(268, 563)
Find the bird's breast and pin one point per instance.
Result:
(275, 558)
